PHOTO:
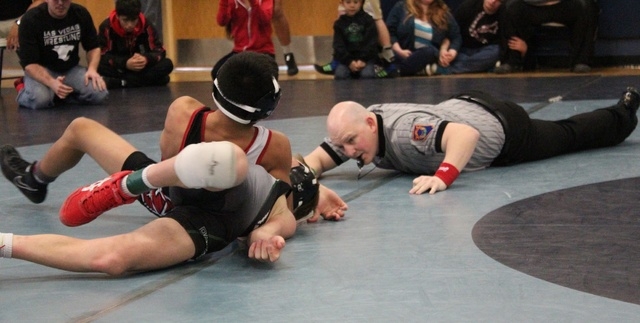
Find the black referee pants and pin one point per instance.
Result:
(529, 139)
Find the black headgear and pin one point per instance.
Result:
(246, 114)
(305, 189)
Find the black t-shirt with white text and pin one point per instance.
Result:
(54, 43)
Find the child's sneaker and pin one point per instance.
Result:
(327, 69)
(390, 71)
(435, 69)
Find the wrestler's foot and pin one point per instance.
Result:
(87, 203)
(19, 172)
(630, 99)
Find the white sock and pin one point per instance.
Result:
(137, 183)
(6, 245)
(286, 49)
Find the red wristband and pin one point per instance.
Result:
(447, 173)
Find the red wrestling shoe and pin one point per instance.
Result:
(87, 203)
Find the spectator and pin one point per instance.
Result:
(522, 17)
(354, 42)
(248, 23)
(132, 52)
(418, 31)
(479, 22)
(372, 7)
(50, 37)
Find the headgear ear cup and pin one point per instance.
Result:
(305, 189)
(268, 102)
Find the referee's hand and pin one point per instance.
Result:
(426, 183)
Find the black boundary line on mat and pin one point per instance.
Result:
(370, 187)
(152, 287)
(558, 98)
(193, 268)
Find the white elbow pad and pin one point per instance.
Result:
(209, 165)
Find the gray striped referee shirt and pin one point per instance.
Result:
(411, 133)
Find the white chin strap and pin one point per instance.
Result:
(227, 113)
(244, 107)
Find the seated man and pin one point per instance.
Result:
(237, 200)
(132, 52)
(522, 17)
(50, 38)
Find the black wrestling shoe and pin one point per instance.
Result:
(17, 171)
(630, 99)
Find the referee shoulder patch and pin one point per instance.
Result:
(420, 132)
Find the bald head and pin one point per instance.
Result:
(353, 129)
(343, 115)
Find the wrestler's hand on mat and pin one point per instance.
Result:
(266, 250)
(330, 206)
(425, 183)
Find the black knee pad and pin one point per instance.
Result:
(137, 160)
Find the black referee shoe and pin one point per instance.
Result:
(630, 99)
(18, 172)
